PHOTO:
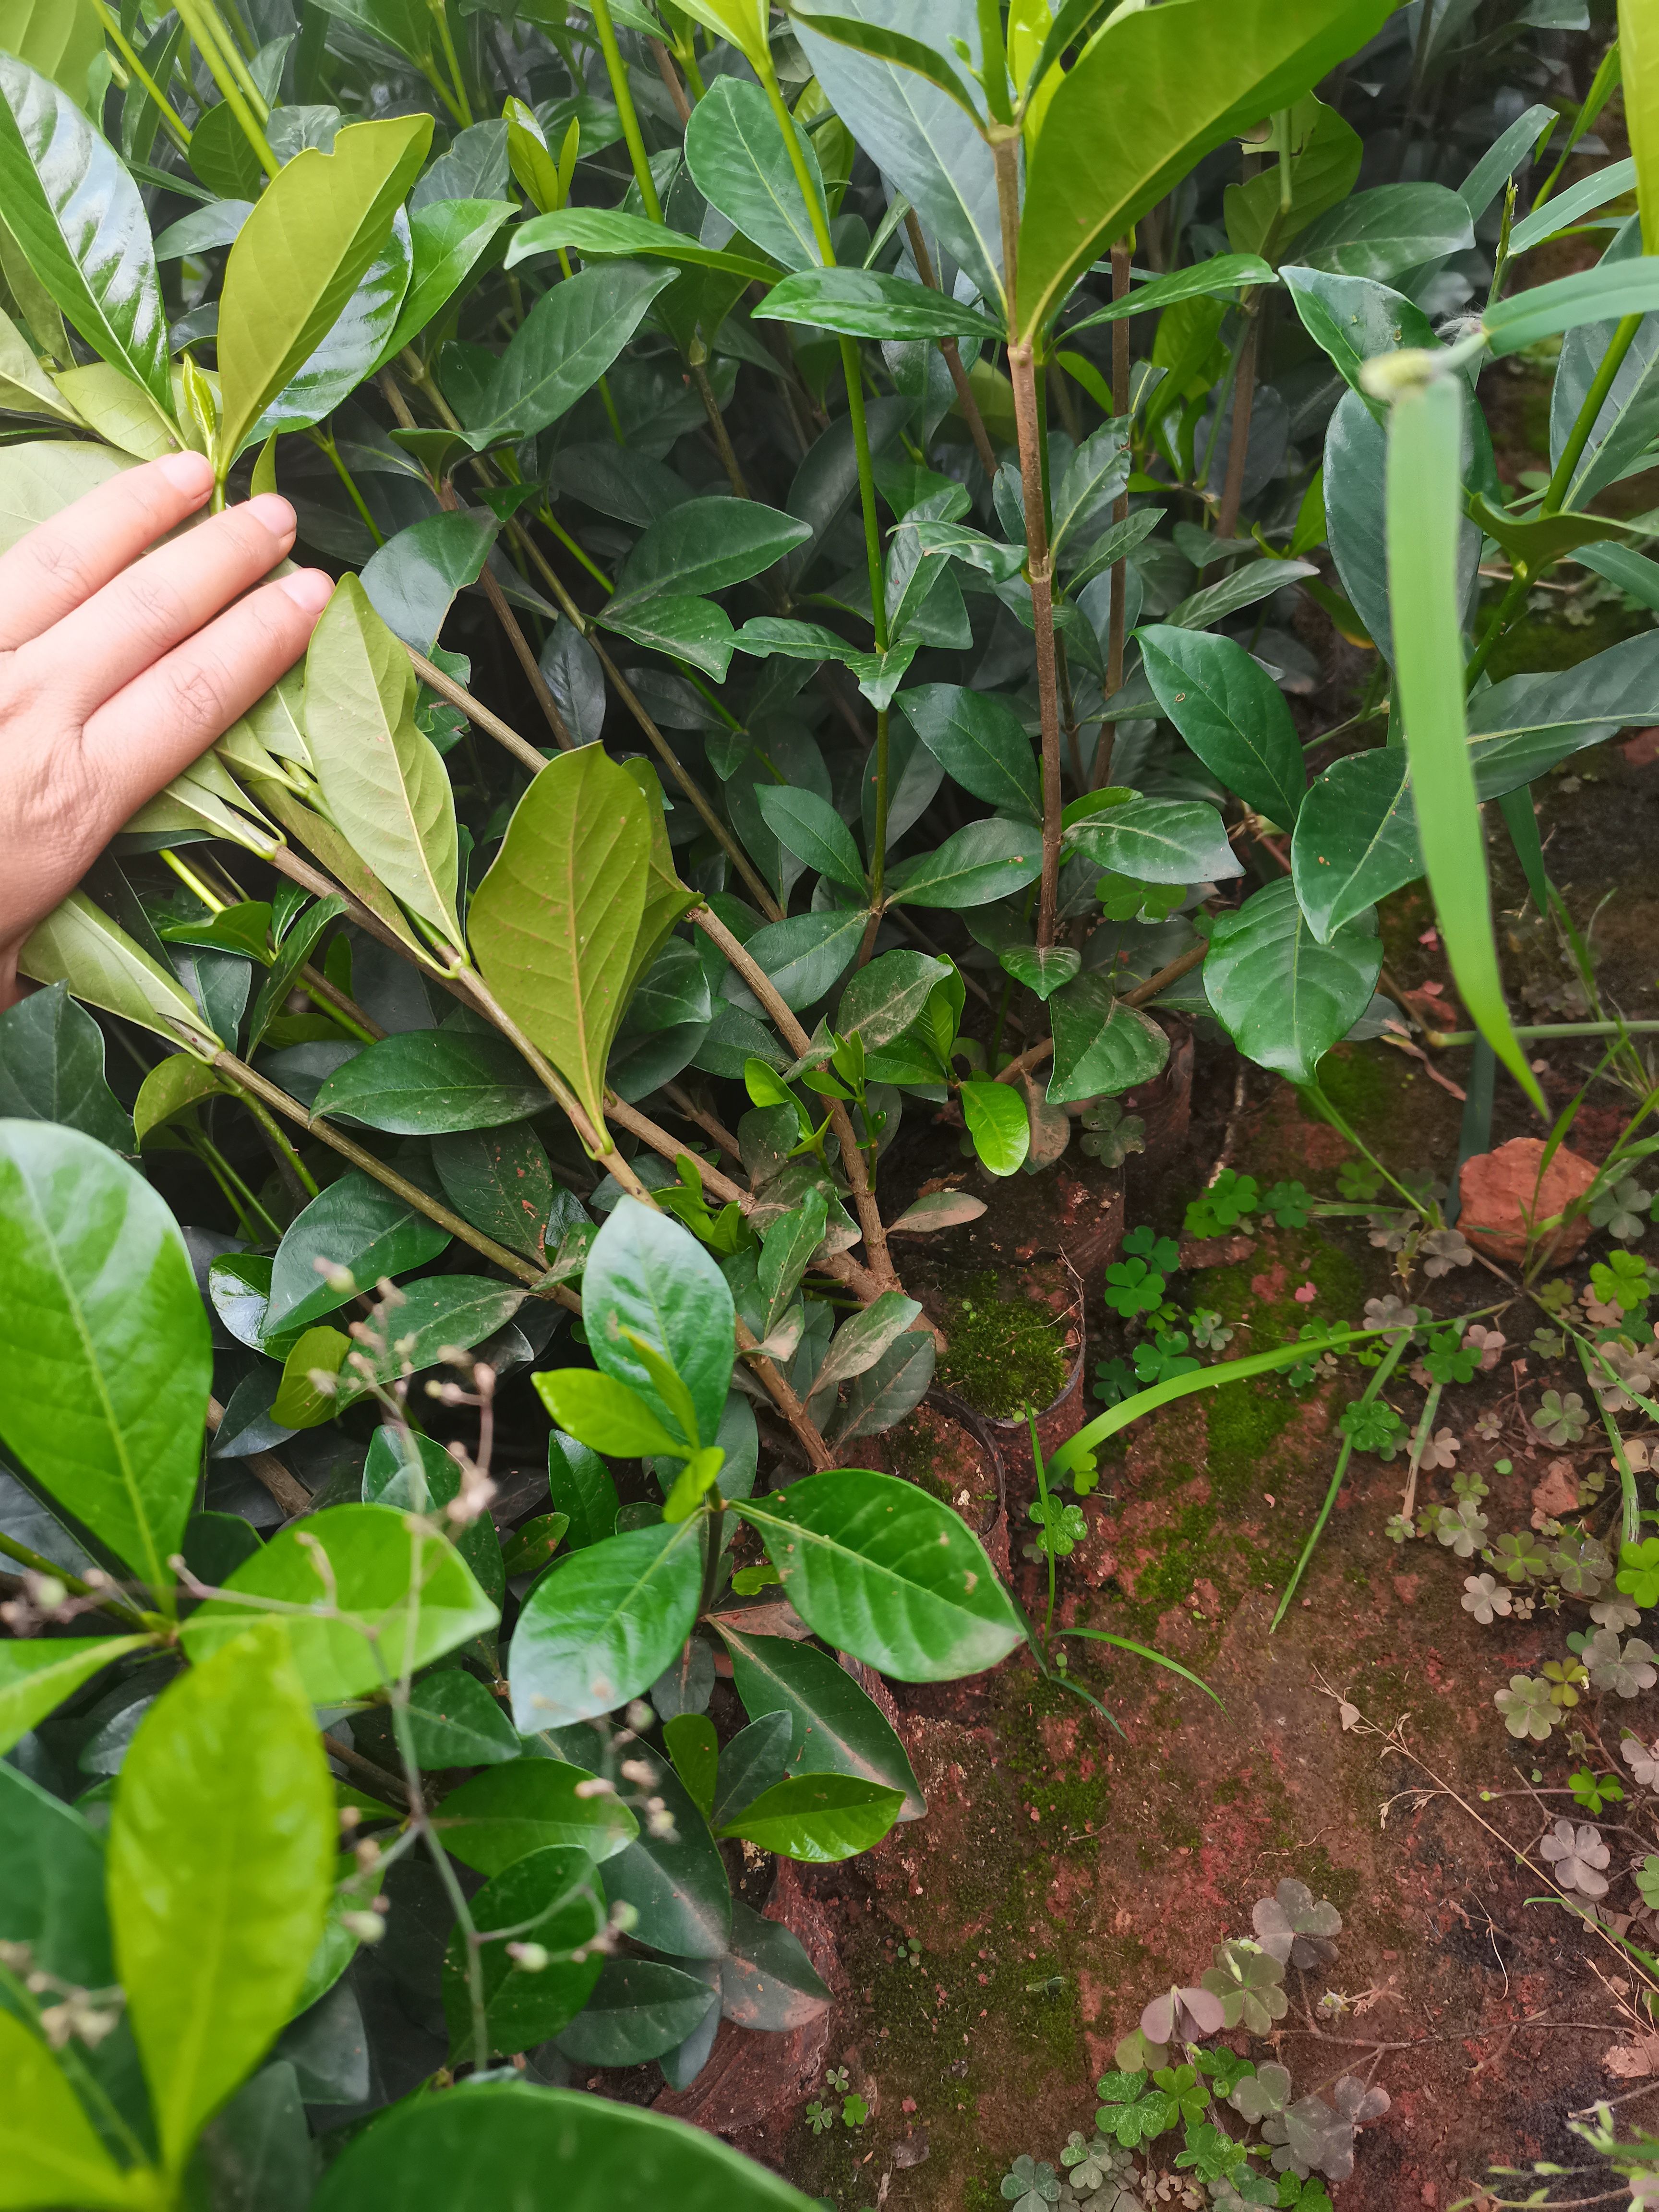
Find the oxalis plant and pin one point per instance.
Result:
(680, 341)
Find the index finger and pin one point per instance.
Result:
(60, 564)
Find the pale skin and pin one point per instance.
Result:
(120, 665)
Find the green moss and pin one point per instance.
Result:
(1004, 1354)
(1357, 1084)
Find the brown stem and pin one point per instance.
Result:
(528, 660)
(1238, 440)
(671, 77)
(701, 1118)
(711, 408)
(1115, 634)
(670, 759)
(318, 986)
(875, 1235)
(818, 1453)
(1022, 370)
(476, 712)
(966, 402)
(264, 1467)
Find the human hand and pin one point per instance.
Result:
(116, 671)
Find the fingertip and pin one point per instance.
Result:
(310, 589)
(189, 472)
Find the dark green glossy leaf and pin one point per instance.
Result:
(693, 1747)
(349, 348)
(702, 545)
(453, 1721)
(979, 741)
(1384, 232)
(1230, 713)
(1160, 840)
(603, 234)
(77, 215)
(689, 630)
(1222, 273)
(358, 1224)
(503, 1814)
(809, 827)
(1283, 996)
(1354, 319)
(375, 1555)
(677, 1885)
(1101, 1047)
(647, 1279)
(879, 1568)
(51, 1069)
(53, 1895)
(882, 999)
(448, 239)
(640, 2009)
(411, 581)
(469, 2150)
(552, 1898)
(600, 1627)
(581, 1487)
(987, 860)
(562, 348)
(499, 1181)
(103, 1342)
(737, 160)
(836, 1728)
(863, 304)
(428, 1081)
(807, 954)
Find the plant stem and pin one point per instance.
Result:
(325, 438)
(1114, 638)
(273, 1129)
(853, 1160)
(616, 69)
(717, 429)
(1238, 435)
(1047, 1532)
(878, 841)
(476, 713)
(172, 122)
(1368, 1396)
(965, 399)
(669, 75)
(192, 13)
(220, 32)
(122, 1608)
(461, 104)
(192, 882)
(242, 1199)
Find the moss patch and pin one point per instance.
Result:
(1004, 1354)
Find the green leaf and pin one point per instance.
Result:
(453, 1721)
(103, 1341)
(1231, 714)
(302, 1402)
(53, 1898)
(862, 303)
(52, 2155)
(429, 1081)
(599, 233)
(1201, 73)
(998, 1124)
(78, 944)
(984, 861)
(358, 1224)
(78, 217)
(51, 1069)
(300, 257)
(1355, 319)
(1355, 838)
(1158, 841)
(562, 348)
(979, 741)
(908, 108)
(640, 2009)
(448, 240)
(804, 955)
(703, 544)
(299, 941)
(499, 1181)
(172, 1086)
(556, 923)
(1283, 996)
(1526, 724)
(689, 630)
(819, 1818)
(1222, 273)
(36, 1676)
(649, 1283)
(836, 1728)
(411, 581)
(413, 1472)
(679, 1884)
(348, 351)
(864, 1337)
(600, 1627)
(469, 2149)
(384, 783)
(62, 41)
(221, 1868)
(735, 157)
(1387, 231)
(503, 1814)
(882, 999)
(1101, 1047)
(1533, 542)
(694, 1749)
(1043, 969)
(376, 1555)
(1605, 294)
(767, 1980)
(606, 1416)
(1256, 581)
(810, 827)
(1639, 71)
(879, 1568)
(1425, 434)
(580, 1486)
(403, 25)
(443, 1312)
(552, 1898)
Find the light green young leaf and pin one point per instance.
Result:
(819, 1818)
(103, 1342)
(649, 1287)
(78, 944)
(598, 233)
(448, 240)
(36, 1675)
(384, 783)
(78, 218)
(556, 922)
(605, 1415)
(1202, 70)
(221, 1868)
(998, 1124)
(52, 2155)
(300, 257)
(1425, 433)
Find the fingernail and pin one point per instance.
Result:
(273, 511)
(309, 589)
(190, 473)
